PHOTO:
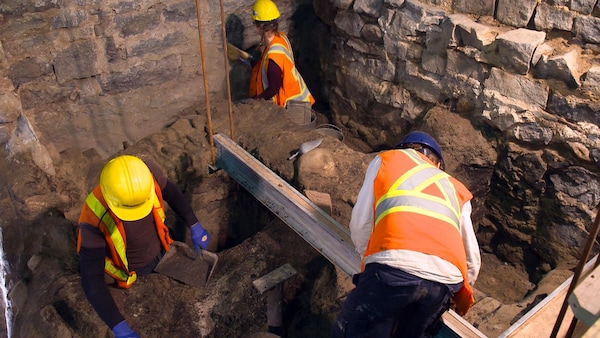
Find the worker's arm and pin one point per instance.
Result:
(173, 196)
(470, 243)
(275, 79)
(91, 267)
(180, 205)
(361, 222)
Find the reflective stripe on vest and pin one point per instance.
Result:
(279, 48)
(423, 219)
(117, 239)
(406, 194)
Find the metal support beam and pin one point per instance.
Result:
(309, 221)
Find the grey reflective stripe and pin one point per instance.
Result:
(406, 194)
(276, 48)
(291, 52)
(281, 49)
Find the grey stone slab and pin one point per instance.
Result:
(515, 48)
(548, 17)
(369, 7)
(588, 28)
(478, 7)
(531, 92)
(516, 13)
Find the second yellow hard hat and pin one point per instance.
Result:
(127, 186)
(264, 11)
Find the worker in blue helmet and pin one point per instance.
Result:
(423, 143)
(412, 226)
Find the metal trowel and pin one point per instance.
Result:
(306, 147)
(184, 264)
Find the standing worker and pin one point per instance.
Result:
(274, 76)
(122, 232)
(411, 224)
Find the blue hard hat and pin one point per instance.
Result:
(422, 138)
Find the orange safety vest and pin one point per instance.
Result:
(97, 213)
(417, 207)
(293, 87)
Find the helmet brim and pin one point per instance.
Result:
(133, 213)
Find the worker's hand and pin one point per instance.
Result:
(200, 237)
(234, 53)
(122, 330)
(245, 61)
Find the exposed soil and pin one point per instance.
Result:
(249, 240)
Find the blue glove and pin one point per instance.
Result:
(200, 237)
(245, 61)
(122, 330)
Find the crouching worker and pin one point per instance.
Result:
(275, 76)
(122, 232)
(411, 224)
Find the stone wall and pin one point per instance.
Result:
(98, 74)
(526, 73)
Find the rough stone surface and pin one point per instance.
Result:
(516, 13)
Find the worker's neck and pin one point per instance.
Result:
(269, 36)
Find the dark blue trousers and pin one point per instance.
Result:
(388, 302)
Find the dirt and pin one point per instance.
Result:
(249, 240)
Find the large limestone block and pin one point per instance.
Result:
(516, 48)
(591, 83)
(548, 17)
(475, 34)
(369, 7)
(516, 13)
(531, 94)
(583, 6)
(478, 7)
(78, 61)
(588, 28)
(349, 22)
(564, 67)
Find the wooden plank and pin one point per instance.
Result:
(321, 199)
(584, 298)
(457, 325)
(307, 219)
(539, 321)
(273, 278)
(593, 331)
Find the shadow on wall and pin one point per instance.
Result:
(239, 74)
(310, 40)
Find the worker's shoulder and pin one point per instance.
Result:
(157, 172)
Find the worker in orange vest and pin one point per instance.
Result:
(274, 75)
(122, 232)
(411, 224)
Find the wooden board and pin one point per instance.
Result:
(321, 199)
(273, 278)
(593, 331)
(539, 321)
(584, 298)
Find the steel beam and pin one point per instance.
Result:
(308, 220)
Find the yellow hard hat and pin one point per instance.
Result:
(264, 10)
(128, 187)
